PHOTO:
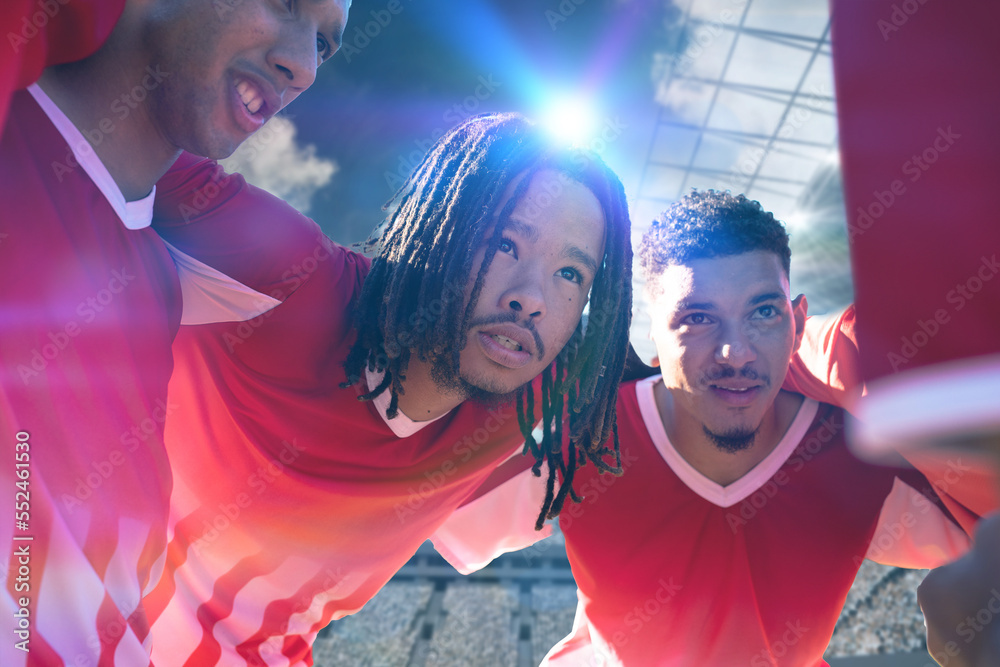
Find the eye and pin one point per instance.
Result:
(323, 49)
(695, 318)
(571, 274)
(507, 247)
(765, 313)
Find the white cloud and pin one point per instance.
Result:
(272, 160)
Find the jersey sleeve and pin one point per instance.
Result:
(40, 34)
(497, 519)
(242, 254)
(241, 231)
(827, 365)
(912, 532)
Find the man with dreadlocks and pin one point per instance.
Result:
(741, 519)
(316, 446)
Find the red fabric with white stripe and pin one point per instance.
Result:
(88, 312)
(40, 33)
(293, 503)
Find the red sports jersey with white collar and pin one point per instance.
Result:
(674, 569)
(293, 502)
(90, 304)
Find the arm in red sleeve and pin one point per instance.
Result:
(827, 366)
(240, 230)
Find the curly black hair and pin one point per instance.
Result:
(709, 223)
(449, 207)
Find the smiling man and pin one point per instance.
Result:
(321, 436)
(741, 519)
(91, 298)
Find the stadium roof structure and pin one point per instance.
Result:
(746, 103)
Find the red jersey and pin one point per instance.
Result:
(293, 503)
(90, 303)
(674, 569)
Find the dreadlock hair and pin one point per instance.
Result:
(706, 224)
(440, 216)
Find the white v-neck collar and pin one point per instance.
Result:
(133, 214)
(729, 495)
(401, 425)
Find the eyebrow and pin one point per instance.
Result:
(770, 296)
(584, 258)
(695, 305)
(708, 305)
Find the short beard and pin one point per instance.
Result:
(447, 377)
(732, 441)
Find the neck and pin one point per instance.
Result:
(104, 96)
(690, 440)
(424, 399)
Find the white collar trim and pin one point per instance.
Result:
(133, 214)
(401, 425)
(722, 496)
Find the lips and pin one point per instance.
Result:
(253, 101)
(735, 394)
(507, 344)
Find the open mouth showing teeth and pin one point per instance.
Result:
(738, 391)
(507, 342)
(249, 96)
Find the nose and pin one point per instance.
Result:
(295, 56)
(735, 346)
(525, 297)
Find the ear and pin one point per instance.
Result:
(800, 308)
(655, 362)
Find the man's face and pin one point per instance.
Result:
(725, 331)
(228, 65)
(537, 286)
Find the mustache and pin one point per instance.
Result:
(725, 372)
(511, 318)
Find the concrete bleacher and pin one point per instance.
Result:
(513, 611)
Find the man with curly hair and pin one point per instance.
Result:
(741, 518)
